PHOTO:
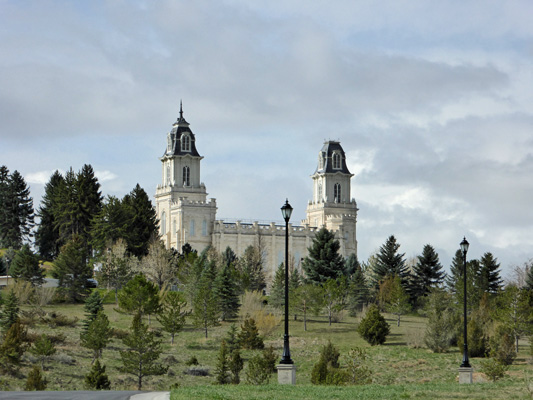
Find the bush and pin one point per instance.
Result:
(258, 372)
(477, 339)
(191, 361)
(270, 358)
(502, 346)
(197, 371)
(35, 380)
(119, 333)
(326, 371)
(358, 373)
(249, 336)
(493, 369)
(373, 327)
(97, 379)
(55, 320)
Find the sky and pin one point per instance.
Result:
(431, 101)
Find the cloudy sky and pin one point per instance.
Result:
(432, 102)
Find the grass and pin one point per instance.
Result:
(401, 368)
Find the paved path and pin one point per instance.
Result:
(85, 395)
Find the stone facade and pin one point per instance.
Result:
(186, 216)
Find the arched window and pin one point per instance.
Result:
(186, 176)
(185, 142)
(336, 161)
(163, 223)
(337, 192)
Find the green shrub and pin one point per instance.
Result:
(358, 372)
(493, 369)
(35, 380)
(249, 336)
(373, 327)
(326, 371)
(478, 342)
(191, 361)
(259, 370)
(502, 346)
(97, 379)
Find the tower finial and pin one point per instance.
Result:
(181, 109)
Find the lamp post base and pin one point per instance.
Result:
(465, 374)
(286, 374)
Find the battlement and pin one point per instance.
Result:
(255, 228)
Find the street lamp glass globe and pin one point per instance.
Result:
(286, 210)
(464, 246)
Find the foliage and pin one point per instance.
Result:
(97, 378)
(205, 308)
(13, 347)
(277, 290)
(172, 314)
(225, 287)
(94, 303)
(324, 260)
(25, 266)
(493, 369)
(143, 350)
(502, 347)
(97, 336)
(139, 296)
(358, 294)
(47, 234)
(359, 373)
(35, 380)
(390, 262)
(325, 371)
(441, 324)
(43, 348)
(236, 364)
(259, 370)
(250, 267)
(249, 335)
(72, 270)
(307, 298)
(9, 312)
(478, 340)
(373, 327)
(489, 279)
(427, 274)
(334, 296)
(222, 371)
(16, 209)
(392, 297)
(157, 265)
(232, 340)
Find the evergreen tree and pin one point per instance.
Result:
(97, 379)
(10, 311)
(231, 339)
(229, 256)
(251, 272)
(393, 298)
(172, 314)
(47, 235)
(440, 325)
(90, 200)
(13, 347)
(222, 367)
(295, 279)
(358, 293)
(205, 307)
(389, 262)
(351, 265)
(72, 270)
(324, 261)
(489, 274)
(426, 275)
(16, 210)
(110, 224)
(97, 336)
(43, 348)
(139, 296)
(25, 266)
(249, 335)
(277, 290)
(94, 303)
(373, 327)
(35, 380)
(529, 277)
(142, 222)
(225, 288)
(456, 272)
(236, 365)
(143, 351)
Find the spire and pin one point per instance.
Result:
(181, 119)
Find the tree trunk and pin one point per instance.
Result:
(399, 319)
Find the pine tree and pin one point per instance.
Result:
(172, 314)
(324, 261)
(295, 279)
(94, 303)
(225, 288)
(236, 365)
(97, 336)
(390, 262)
(489, 274)
(72, 270)
(110, 224)
(232, 341)
(25, 266)
(373, 327)
(10, 311)
(47, 235)
(426, 275)
(393, 298)
(358, 293)
(351, 265)
(229, 256)
(89, 199)
(13, 346)
(43, 348)
(16, 210)
(139, 296)
(277, 290)
(251, 272)
(205, 307)
(456, 272)
(249, 335)
(222, 367)
(35, 380)
(97, 379)
(143, 351)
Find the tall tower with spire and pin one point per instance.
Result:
(332, 206)
(184, 213)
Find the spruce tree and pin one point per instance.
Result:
(72, 270)
(251, 272)
(225, 288)
(142, 352)
(13, 347)
(43, 348)
(47, 235)
(229, 256)
(277, 290)
(426, 275)
(324, 261)
(456, 272)
(94, 303)
(249, 335)
(236, 364)
(373, 327)
(389, 262)
(351, 265)
(97, 336)
(222, 367)
(89, 199)
(97, 379)
(489, 274)
(205, 306)
(10, 311)
(172, 314)
(358, 293)
(35, 380)
(26, 266)
(110, 224)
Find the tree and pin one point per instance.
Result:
(236, 365)
(334, 296)
(97, 336)
(358, 294)
(89, 200)
(389, 262)
(97, 379)
(456, 272)
(373, 327)
(47, 235)
(35, 380)
(324, 261)
(393, 297)
(440, 326)
(139, 296)
(250, 267)
(94, 303)
(172, 314)
(157, 264)
(489, 274)
(10, 311)
(225, 288)
(514, 311)
(16, 209)
(13, 346)
(110, 224)
(205, 307)
(307, 298)
(72, 270)
(249, 335)
(43, 348)
(143, 351)
(529, 275)
(277, 290)
(324, 370)
(25, 266)
(222, 367)
(426, 275)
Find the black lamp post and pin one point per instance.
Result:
(464, 249)
(286, 211)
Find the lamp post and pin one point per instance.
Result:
(286, 211)
(464, 249)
